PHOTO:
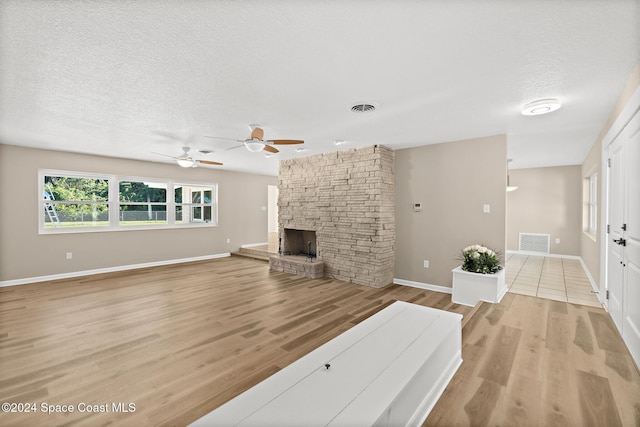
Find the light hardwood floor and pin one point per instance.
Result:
(179, 341)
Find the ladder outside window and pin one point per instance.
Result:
(50, 209)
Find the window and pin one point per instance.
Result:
(142, 203)
(193, 203)
(76, 202)
(590, 203)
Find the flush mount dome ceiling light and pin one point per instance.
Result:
(541, 106)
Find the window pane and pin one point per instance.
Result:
(150, 192)
(70, 189)
(142, 214)
(194, 203)
(193, 194)
(197, 213)
(142, 203)
(60, 194)
(75, 215)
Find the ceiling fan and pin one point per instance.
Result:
(186, 161)
(256, 143)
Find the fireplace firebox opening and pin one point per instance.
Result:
(299, 242)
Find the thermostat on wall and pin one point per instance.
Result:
(417, 207)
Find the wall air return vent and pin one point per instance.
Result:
(531, 242)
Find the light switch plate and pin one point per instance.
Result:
(486, 208)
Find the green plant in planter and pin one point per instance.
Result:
(480, 259)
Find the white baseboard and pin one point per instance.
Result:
(108, 270)
(421, 285)
(594, 286)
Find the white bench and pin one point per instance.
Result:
(388, 370)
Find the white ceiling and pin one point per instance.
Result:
(110, 77)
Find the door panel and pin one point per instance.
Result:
(631, 309)
(615, 268)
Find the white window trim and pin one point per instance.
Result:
(114, 203)
(593, 204)
(590, 205)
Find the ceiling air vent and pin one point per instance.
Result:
(363, 108)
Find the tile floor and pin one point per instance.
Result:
(559, 279)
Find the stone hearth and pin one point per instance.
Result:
(298, 265)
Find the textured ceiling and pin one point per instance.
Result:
(113, 77)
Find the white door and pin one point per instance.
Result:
(615, 265)
(623, 240)
(631, 261)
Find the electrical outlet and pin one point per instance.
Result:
(557, 241)
(426, 263)
(228, 240)
(69, 255)
(486, 208)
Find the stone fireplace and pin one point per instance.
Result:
(347, 199)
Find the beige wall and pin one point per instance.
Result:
(547, 201)
(452, 181)
(25, 254)
(589, 247)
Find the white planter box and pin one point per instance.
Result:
(469, 288)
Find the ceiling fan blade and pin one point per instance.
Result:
(257, 133)
(287, 141)
(271, 149)
(219, 137)
(209, 162)
(234, 147)
(165, 155)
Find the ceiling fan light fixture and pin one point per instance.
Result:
(254, 146)
(541, 106)
(186, 162)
